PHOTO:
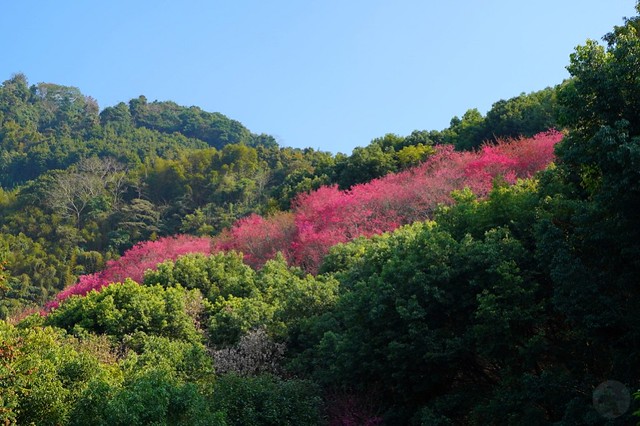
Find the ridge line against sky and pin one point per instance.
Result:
(329, 75)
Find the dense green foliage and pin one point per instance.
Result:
(239, 299)
(127, 308)
(49, 378)
(515, 307)
(266, 400)
(523, 115)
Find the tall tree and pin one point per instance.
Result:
(589, 228)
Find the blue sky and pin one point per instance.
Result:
(326, 74)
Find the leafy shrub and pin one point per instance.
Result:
(240, 299)
(152, 397)
(216, 275)
(41, 376)
(266, 400)
(185, 361)
(126, 308)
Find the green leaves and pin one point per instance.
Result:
(240, 299)
(42, 375)
(122, 309)
(267, 400)
(422, 308)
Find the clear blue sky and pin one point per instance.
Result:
(327, 74)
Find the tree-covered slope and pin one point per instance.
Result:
(512, 302)
(78, 187)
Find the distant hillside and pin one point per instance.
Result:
(48, 126)
(213, 128)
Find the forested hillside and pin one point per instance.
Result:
(161, 264)
(78, 187)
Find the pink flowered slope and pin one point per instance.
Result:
(260, 238)
(329, 216)
(134, 262)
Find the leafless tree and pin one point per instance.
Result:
(72, 191)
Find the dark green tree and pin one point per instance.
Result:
(364, 164)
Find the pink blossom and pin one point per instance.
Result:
(328, 216)
(133, 263)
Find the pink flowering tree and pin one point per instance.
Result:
(134, 262)
(327, 216)
(259, 238)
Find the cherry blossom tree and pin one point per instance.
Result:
(328, 216)
(134, 262)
